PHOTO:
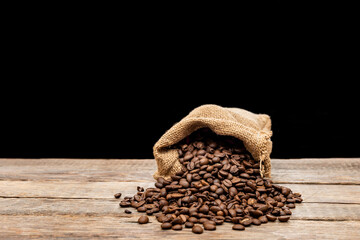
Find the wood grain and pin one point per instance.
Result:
(73, 198)
(110, 207)
(303, 171)
(106, 190)
(67, 226)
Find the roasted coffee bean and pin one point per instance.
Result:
(117, 195)
(177, 221)
(285, 191)
(166, 225)
(213, 188)
(184, 183)
(263, 219)
(246, 222)
(284, 218)
(125, 204)
(202, 220)
(189, 224)
(232, 212)
(209, 226)
(204, 209)
(244, 175)
(141, 209)
(143, 220)
(193, 219)
(271, 218)
(187, 157)
(256, 213)
(290, 205)
(238, 227)
(204, 161)
(219, 191)
(287, 211)
(177, 227)
(256, 221)
(127, 211)
(227, 183)
(197, 229)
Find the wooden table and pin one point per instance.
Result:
(73, 198)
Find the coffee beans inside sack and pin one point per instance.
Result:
(218, 181)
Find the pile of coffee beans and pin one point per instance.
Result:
(219, 182)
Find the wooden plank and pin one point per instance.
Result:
(77, 169)
(110, 207)
(323, 171)
(101, 190)
(66, 226)
(318, 171)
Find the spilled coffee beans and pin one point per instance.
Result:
(219, 182)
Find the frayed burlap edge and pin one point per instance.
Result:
(223, 121)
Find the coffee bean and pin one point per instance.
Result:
(246, 222)
(256, 221)
(263, 208)
(263, 219)
(177, 227)
(209, 226)
(285, 191)
(223, 173)
(256, 213)
(166, 225)
(197, 229)
(219, 191)
(204, 161)
(143, 220)
(184, 183)
(177, 221)
(191, 166)
(193, 219)
(290, 205)
(227, 183)
(232, 212)
(127, 211)
(271, 218)
(238, 227)
(203, 220)
(187, 157)
(125, 203)
(287, 211)
(141, 209)
(117, 195)
(204, 209)
(189, 224)
(244, 175)
(284, 218)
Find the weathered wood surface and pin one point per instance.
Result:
(73, 198)
(110, 207)
(304, 171)
(98, 190)
(104, 227)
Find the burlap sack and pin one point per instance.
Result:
(253, 129)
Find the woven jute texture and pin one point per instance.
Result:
(253, 129)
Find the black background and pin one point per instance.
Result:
(112, 121)
(81, 83)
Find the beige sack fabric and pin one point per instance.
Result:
(253, 129)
